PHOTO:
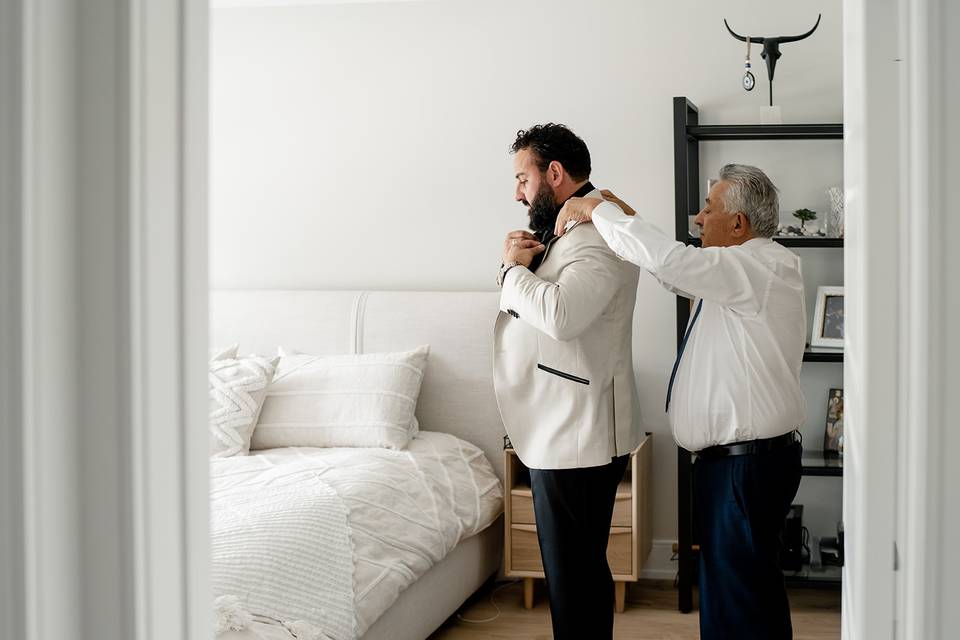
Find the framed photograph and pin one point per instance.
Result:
(833, 433)
(828, 318)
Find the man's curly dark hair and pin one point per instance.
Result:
(555, 142)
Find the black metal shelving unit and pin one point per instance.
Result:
(688, 133)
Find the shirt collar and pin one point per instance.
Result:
(583, 191)
(755, 242)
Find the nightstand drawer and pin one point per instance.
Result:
(620, 551)
(525, 550)
(521, 501)
(521, 505)
(623, 507)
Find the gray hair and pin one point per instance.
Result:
(750, 192)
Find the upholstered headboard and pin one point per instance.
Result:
(457, 395)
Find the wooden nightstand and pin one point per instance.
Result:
(631, 528)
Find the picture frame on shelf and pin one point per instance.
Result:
(833, 429)
(828, 318)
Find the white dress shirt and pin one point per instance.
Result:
(739, 377)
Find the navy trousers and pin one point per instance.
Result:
(573, 508)
(741, 505)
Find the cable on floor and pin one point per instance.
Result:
(493, 602)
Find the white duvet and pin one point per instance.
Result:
(384, 516)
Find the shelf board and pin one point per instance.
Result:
(822, 243)
(815, 463)
(822, 354)
(765, 132)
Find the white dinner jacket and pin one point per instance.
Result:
(563, 354)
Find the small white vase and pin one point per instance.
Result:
(835, 221)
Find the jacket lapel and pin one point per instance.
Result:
(550, 242)
(539, 259)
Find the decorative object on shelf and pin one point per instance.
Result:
(835, 221)
(804, 216)
(771, 48)
(833, 432)
(803, 231)
(831, 548)
(748, 80)
(828, 318)
(506, 442)
(794, 540)
(790, 231)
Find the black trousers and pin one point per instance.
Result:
(741, 504)
(573, 508)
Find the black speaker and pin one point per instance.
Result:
(791, 553)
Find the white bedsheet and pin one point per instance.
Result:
(406, 509)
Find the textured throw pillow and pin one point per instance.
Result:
(222, 353)
(237, 389)
(365, 400)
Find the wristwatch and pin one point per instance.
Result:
(506, 266)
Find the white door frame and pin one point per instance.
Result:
(901, 522)
(929, 511)
(103, 511)
(871, 255)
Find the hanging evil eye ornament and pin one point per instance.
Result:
(748, 80)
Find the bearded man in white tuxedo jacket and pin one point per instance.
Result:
(563, 372)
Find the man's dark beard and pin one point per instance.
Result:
(543, 212)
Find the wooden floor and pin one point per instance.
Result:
(651, 614)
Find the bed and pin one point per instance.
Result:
(409, 577)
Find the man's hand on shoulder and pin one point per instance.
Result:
(520, 247)
(575, 211)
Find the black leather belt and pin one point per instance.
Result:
(747, 448)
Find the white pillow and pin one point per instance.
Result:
(222, 353)
(365, 400)
(237, 389)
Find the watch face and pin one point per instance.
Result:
(748, 81)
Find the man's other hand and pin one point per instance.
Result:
(575, 210)
(520, 247)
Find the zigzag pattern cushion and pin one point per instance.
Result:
(237, 390)
(365, 400)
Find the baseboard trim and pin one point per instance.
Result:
(659, 565)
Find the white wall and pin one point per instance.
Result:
(365, 145)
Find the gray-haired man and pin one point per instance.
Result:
(734, 393)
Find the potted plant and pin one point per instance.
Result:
(804, 216)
